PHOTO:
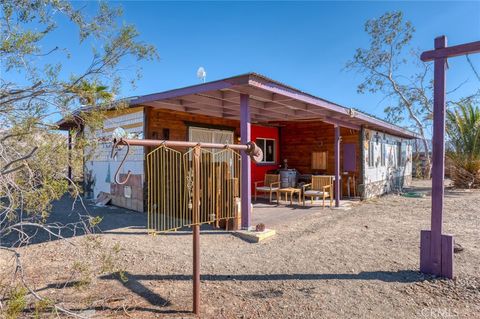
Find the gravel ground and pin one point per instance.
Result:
(359, 263)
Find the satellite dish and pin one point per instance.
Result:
(201, 74)
(119, 133)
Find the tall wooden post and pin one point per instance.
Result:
(436, 249)
(196, 230)
(246, 195)
(438, 160)
(337, 165)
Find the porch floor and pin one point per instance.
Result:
(273, 215)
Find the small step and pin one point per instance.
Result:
(253, 236)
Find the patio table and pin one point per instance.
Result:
(291, 191)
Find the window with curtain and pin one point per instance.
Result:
(206, 135)
(371, 154)
(268, 147)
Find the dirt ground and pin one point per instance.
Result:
(358, 263)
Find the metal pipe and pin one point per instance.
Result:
(196, 231)
(196, 269)
(137, 142)
(70, 174)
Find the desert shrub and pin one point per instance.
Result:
(16, 302)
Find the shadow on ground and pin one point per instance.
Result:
(135, 285)
(66, 211)
(134, 280)
(401, 276)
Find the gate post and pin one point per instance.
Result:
(196, 230)
(246, 194)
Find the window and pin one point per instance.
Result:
(206, 135)
(319, 160)
(399, 154)
(268, 147)
(371, 154)
(383, 154)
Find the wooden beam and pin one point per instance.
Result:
(260, 95)
(162, 105)
(280, 98)
(450, 52)
(195, 98)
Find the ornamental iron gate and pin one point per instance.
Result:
(172, 179)
(192, 188)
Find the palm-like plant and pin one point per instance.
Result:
(463, 146)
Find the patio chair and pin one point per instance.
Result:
(321, 186)
(271, 184)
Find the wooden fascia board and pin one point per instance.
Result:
(335, 109)
(194, 89)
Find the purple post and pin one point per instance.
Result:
(436, 250)
(337, 165)
(438, 159)
(246, 167)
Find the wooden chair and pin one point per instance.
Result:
(271, 184)
(321, 186)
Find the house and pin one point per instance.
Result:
(307, 133)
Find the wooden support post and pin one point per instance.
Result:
(246, 195)
(70, 175)
(337, 165)
(438, 160)
(196, 230)
(436, 249)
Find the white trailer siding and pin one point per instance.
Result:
(387, 163)
(100, 168)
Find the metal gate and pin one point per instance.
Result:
(177, 180)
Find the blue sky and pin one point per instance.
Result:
(303, 44)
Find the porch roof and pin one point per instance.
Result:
(270, 101)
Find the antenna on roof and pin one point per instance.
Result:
(201, 74)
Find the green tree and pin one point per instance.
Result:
(463, 144)
(381, 65)
(34, 93)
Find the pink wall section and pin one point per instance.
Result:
(259, 170)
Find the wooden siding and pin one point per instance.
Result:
(299, 139)
(178, 122)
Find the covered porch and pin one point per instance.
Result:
(305, 124)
